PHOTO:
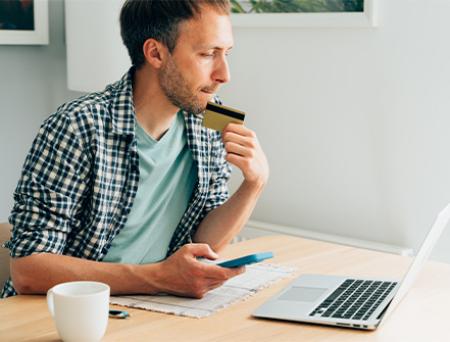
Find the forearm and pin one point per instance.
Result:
(37, 273)
(223, 223)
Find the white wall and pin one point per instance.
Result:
(32, 85)
(354, 121)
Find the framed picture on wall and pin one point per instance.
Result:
(303, 13)
(24, 22)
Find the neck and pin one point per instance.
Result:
(154, 112)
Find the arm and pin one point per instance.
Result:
(222, 223)
(180, 274)
(37, 273)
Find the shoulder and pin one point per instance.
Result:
(85, 115)
(88, 109)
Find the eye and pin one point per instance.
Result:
(207, 54)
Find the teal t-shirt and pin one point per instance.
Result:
(167, 178)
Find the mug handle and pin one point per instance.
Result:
(50, 302)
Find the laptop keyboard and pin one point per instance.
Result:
(354, 299)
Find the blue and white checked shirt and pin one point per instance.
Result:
(81, 176)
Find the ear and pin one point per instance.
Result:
(154, 52)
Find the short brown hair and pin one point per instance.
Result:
(158, 19)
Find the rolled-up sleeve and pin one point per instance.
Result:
(50, 190)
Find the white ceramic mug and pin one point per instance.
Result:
(80, 310)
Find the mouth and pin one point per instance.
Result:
(209, 91)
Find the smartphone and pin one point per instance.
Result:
(246, 260)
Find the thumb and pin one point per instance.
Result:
(202, 250)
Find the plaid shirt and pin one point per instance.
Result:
(81, 176)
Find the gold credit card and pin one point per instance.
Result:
(218, 116)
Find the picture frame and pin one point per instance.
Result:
(364, 19)
(37, 35)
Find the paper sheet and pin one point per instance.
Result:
(238, 288)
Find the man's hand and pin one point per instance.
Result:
(244, 151)
(182, 274)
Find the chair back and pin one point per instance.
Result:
(5, 234)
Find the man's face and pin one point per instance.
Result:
(198, 64)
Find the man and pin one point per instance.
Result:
(126, 186)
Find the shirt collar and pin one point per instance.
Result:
(122, 106)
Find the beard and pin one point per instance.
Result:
(177, 90)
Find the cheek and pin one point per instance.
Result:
(196, 72)
(201, 71)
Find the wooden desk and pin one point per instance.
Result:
(422, 316)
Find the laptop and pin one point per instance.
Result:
(350, 302)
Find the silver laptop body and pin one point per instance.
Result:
(360, 303)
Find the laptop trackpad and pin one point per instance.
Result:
(303, 294)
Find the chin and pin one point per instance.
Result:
(197, 107)
(203, 100)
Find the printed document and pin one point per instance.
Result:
(255, 278)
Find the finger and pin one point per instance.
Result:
(233, 272)
(201, 250)
(214, 282)
(215, 285)
(239, 139)
(239, 129)
(225, 274)
(216, 273)
(240, 150)
(240, 162)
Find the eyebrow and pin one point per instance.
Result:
(208, 47)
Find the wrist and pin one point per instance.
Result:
(254, 186)
(148, 276)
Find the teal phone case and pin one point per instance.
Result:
(246, 260)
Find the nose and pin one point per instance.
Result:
(222, 71)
